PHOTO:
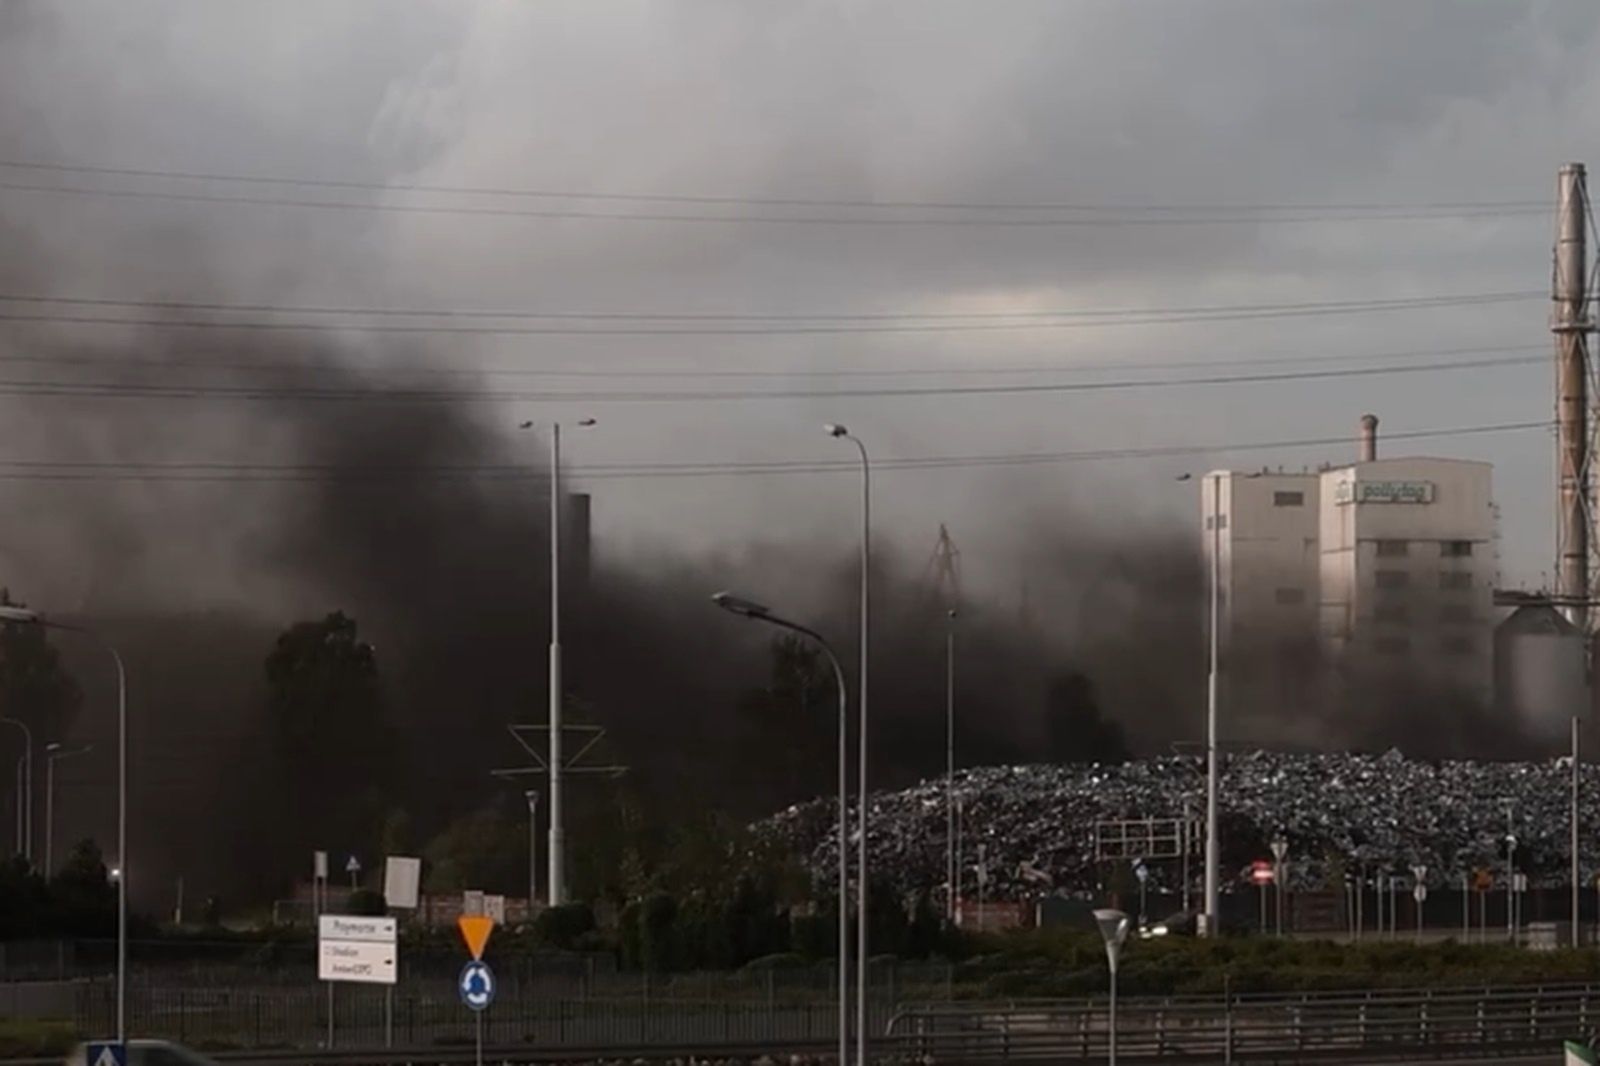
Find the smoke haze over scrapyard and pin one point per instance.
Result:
(197, 567)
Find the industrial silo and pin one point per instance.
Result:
(1540, 672)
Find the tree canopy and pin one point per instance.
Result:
(330, 735)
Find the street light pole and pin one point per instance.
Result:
(862, 876)
(28, 616)
(1212, 681)
(1511, 876)
(557, 889)
(533, 848)
(1573, 832)
(21, 801)
(53, 751)
(1280, 848)
(758, 613)
(950, 765)
(1114, 929)
(25, 804)
(557, 877)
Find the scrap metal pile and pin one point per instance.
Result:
(1338, 813)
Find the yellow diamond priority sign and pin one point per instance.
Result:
(475, 930)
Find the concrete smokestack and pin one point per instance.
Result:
(1571, 326)
(1368, 451)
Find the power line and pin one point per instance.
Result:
(78, 470)
(834, 323)
(1054, 222)
(225, 363)
(760, 201)
(737, 316)
(143, 390)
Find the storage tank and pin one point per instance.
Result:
(1540, 674)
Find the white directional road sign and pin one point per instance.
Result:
(107, 1054)
(363, 950)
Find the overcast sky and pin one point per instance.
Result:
(1116, 104)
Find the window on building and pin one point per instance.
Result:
(1391, 579)
(1288, 499)
(1459, 646)
(1290, 596)
(1221, 521)
(1456, 614)
(1455, 580)
(1455, 549)
(1392, 645)
(1391, 613)
(1393, 549)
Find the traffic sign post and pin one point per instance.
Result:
(359, 950)
(108, 1053)
(476, 985)
(1261, 876)
(1419, 893)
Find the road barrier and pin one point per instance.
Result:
(1346, 1026)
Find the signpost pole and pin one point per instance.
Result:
(479, 1016)
(330, 1015)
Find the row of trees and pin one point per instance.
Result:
(336, 762)
(661, 933)
(79, 901)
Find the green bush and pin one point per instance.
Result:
(783, 960)
(367, 903)
(29, 1038)
(1072, 962)
(561, 927)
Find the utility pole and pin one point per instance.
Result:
(950, 762)
(1212, 875)
(1511, 876)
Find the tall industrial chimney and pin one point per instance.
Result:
(1369, 439)
(1570, 325)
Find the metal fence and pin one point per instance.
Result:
(1437, 1023)
(247, 966)
(221, 1019)
(1433, 1024)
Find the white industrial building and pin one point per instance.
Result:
(1265, 527)
(1408, 572)
(1385, 567)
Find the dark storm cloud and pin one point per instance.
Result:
(1225, 103)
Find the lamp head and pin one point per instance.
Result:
(585, 421)
(740, 606)
(13, 613)
(525, 424)
(1113, 927)
(836, 430)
